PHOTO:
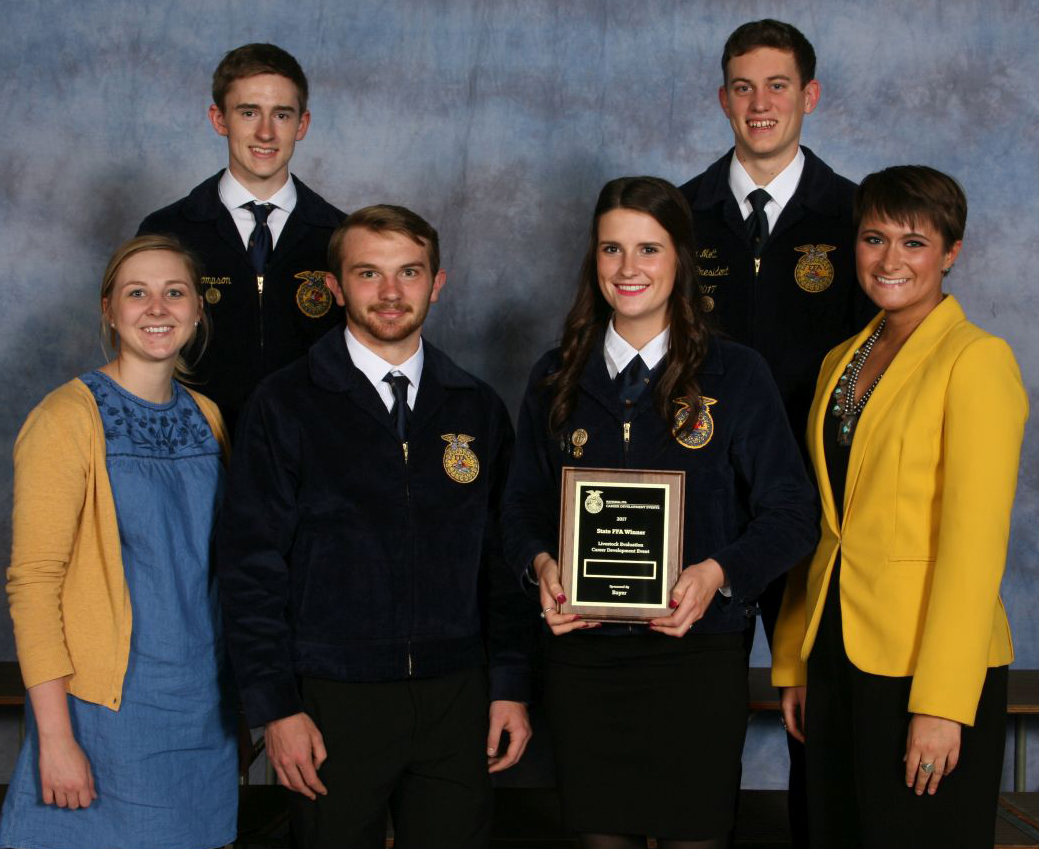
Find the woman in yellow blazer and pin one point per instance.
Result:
(130, 741)
(895, 625)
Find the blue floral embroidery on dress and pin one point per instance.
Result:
(132, 425)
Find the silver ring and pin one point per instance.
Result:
(927, 768)
(547, 610)
(782, 722)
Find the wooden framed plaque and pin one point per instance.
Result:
(620, 542)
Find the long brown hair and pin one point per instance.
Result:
(590, 313)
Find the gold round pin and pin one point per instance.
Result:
(579, 437)
(212, 295)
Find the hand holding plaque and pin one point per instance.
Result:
(620, 542)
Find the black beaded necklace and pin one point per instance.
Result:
(844, 406)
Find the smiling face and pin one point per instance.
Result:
(386, 285)
(765, 101)
(262, 123)
(636, 264)
(900, 265)
(153, 307)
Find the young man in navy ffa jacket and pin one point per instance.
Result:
(262, 236)
(773, 225)
(373, 627)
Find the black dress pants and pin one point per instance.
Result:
(417, 748)
(856, 727)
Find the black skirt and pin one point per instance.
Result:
(648, 731)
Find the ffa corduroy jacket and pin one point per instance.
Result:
(794, 305)
(341, 557)
(926, 518)
(255, 331)
(748, 501)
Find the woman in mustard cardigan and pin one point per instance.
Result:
(117, 477)
(896, 626)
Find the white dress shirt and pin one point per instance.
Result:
(618, 353)
(781, 189)
(375, 368)
(234, 195)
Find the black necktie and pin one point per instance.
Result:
(631, 381)
(757, 221)
(260, 238)
(399, 385)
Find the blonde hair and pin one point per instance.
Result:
(154, 242)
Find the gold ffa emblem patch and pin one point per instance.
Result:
(704, 429)
(814, 271)
(460, 461)
(313, 297)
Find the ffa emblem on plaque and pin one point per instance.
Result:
(704, 429)
(814, 271)
(593, 503)
(460, 460)
(312, 296)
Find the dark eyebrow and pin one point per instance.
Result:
(256, 106)
(768, 79)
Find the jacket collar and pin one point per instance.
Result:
(915, 352)
(816, 192)
(332, 369)
(204, 204)
(595, 379)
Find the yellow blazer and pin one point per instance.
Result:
(923, 541)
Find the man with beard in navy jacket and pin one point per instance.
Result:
(261, 234)
(373, 627)
(776, 247)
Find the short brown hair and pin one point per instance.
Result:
(771, 33)
(252, 59)
(156, 242)
(382, 218)
(909, 194)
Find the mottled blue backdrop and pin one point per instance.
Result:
(499, 120)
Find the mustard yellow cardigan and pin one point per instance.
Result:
(926, 517)
(66, 587)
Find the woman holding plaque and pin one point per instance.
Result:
(130, 741)
(648, 720)
(915, 436)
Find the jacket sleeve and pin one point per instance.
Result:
(980, 463)
(256, 528)
(51, 470)
(511, 621)
(783, 507)
(530, 515)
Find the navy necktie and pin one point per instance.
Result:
(260, 241)
(631, 381)
(757, 221)
(399, 413)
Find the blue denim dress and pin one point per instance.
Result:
(165, 763)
